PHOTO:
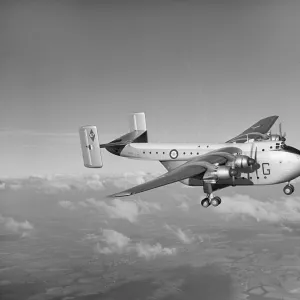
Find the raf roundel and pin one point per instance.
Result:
(174, 153)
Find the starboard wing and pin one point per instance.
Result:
(193, 167)
(258, 130)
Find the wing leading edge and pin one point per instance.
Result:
(258, 130)
(196, 166)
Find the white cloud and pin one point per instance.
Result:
(120, 209)
(2, 185)
(268, 210)
(129, 180)
(152, 251)
(184, 206)
(15, 186)
(64, 182)
(67, 204)
(113, 242)
(184, 237)
(12, 225)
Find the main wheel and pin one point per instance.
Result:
(288, 189)
(292, 187)
(215, 201)
(205, 202)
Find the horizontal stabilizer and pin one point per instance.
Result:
(90, 146)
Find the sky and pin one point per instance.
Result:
(202, 71)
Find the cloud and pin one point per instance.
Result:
(2, 185)
(183, 200)
(56, 183)
(67, 204)
(12, 225)
(114, 242)
(267, 210)
(184, 206)
(120, 209)
(184, 237)
(149, 252)
(52, 184)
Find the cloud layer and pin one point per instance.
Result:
(267, 210)
(56, 183)
(23, 228)
(120, 209)
(114, 242)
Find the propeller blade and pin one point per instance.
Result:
(251, 156)
(280, 130)
(255, 158)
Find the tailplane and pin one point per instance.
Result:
(138, 134)
(90, 147)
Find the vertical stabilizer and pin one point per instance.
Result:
(90, 146)
(137, 122)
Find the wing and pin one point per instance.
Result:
(196, 166)
(259, 129)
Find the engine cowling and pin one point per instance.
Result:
(243, 161)
(224, 172)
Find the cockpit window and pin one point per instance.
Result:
(290, 149)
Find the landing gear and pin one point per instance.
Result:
(215, 201)
(210, 199)
(205, 202)
(289, 189)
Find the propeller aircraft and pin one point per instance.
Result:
(255, 157)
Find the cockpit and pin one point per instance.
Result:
(289, 149)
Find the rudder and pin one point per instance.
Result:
(90, 147)
(137, 121)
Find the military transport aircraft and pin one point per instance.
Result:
(255, 157)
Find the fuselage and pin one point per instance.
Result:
(276, 162)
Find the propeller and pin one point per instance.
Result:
(233, 173)
(282, 136)
(254, 158)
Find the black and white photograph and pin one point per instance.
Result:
(149, 150)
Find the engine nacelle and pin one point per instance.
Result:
(243, 161)
(224, 172)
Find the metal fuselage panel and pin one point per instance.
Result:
(274, 165)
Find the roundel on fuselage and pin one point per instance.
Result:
(173, 153)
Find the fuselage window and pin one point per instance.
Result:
(156, 152)
(184, 153)
(263, 149)
(191, 153)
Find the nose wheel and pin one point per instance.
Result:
(289, 189)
